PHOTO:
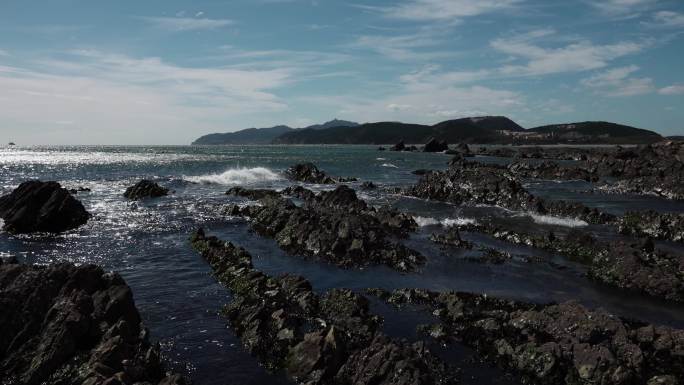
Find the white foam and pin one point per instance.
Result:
(389, 165)
(423, 221)
(236, 176)
(380, 159)
(557, 221)
(446, 222)
(458, 222)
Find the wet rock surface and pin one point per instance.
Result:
(253, 194)
(316, 339)
(145, 189)
(434, 145)
(552, 344)
(309, 173)
(64, 324)
(476, 183)
(655, 169)
(37, 206)
(551, 171)
(635, 266)
(666, 226)
(337, 227)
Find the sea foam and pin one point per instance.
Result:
(236, 176)
(446, 222)
(557, 221)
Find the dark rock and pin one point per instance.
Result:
(553, 344)
(476, 183)
(145, 189)
(381, 148)
(337, 227)
(368, 185)
(309, 173)
(75, 191)
(299, 192)
(37, 206)
(399, 146)
(666, 226)
(328, 339)
(639, 267)
(655, 169)
(550, 171)
(63, 324)
(434, 145)
(254, 194)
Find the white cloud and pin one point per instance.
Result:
(106, 98)
(573, 57)
(622, 7)
(419, 46)
(425, 10)
(198, 14)
(666, 19)
(183, 24)
(617, 82)
(675, 89)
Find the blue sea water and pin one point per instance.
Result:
(146, 242)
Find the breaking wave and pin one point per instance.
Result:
(446, 222)
(236, 176)
(557, 221)
(389, 165)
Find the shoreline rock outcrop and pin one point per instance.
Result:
(633, 266)
(552, 344)
(335, 226)
(66, 324)
(434, 145)
(145, 189)
(37, 206)
(664, 226)
(316, 339)
(476, 183)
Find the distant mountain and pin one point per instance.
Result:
(331, 124)
(486, 129)
(483, 129)
(262, 135)
(595, 132)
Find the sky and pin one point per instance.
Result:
(168, 71)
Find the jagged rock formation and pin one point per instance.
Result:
(667, 226)
(37, 206)
(553, 344)
(434, 145)
(145, 189)
(475, 183)
(317, 339)
(69, 325)
(337, 227)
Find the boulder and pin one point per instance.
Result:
(434, 145)
(37, 206)
(66, 324)
(399, 146)
(309, 173)
(145, 189)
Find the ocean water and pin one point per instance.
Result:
(146, 242)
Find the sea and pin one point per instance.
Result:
(179, 300)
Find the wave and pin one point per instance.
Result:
(389, 165)
(557, 221)
(446, 222)
(236, 176)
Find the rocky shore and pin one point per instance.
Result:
(553, 344)
(316, 339)
(334, 226)
(635, 266)
(473, 183)
(65, 324)
(665, 226)
(37, 206)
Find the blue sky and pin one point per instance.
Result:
(166, 72)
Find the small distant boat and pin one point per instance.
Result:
(11, 144)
